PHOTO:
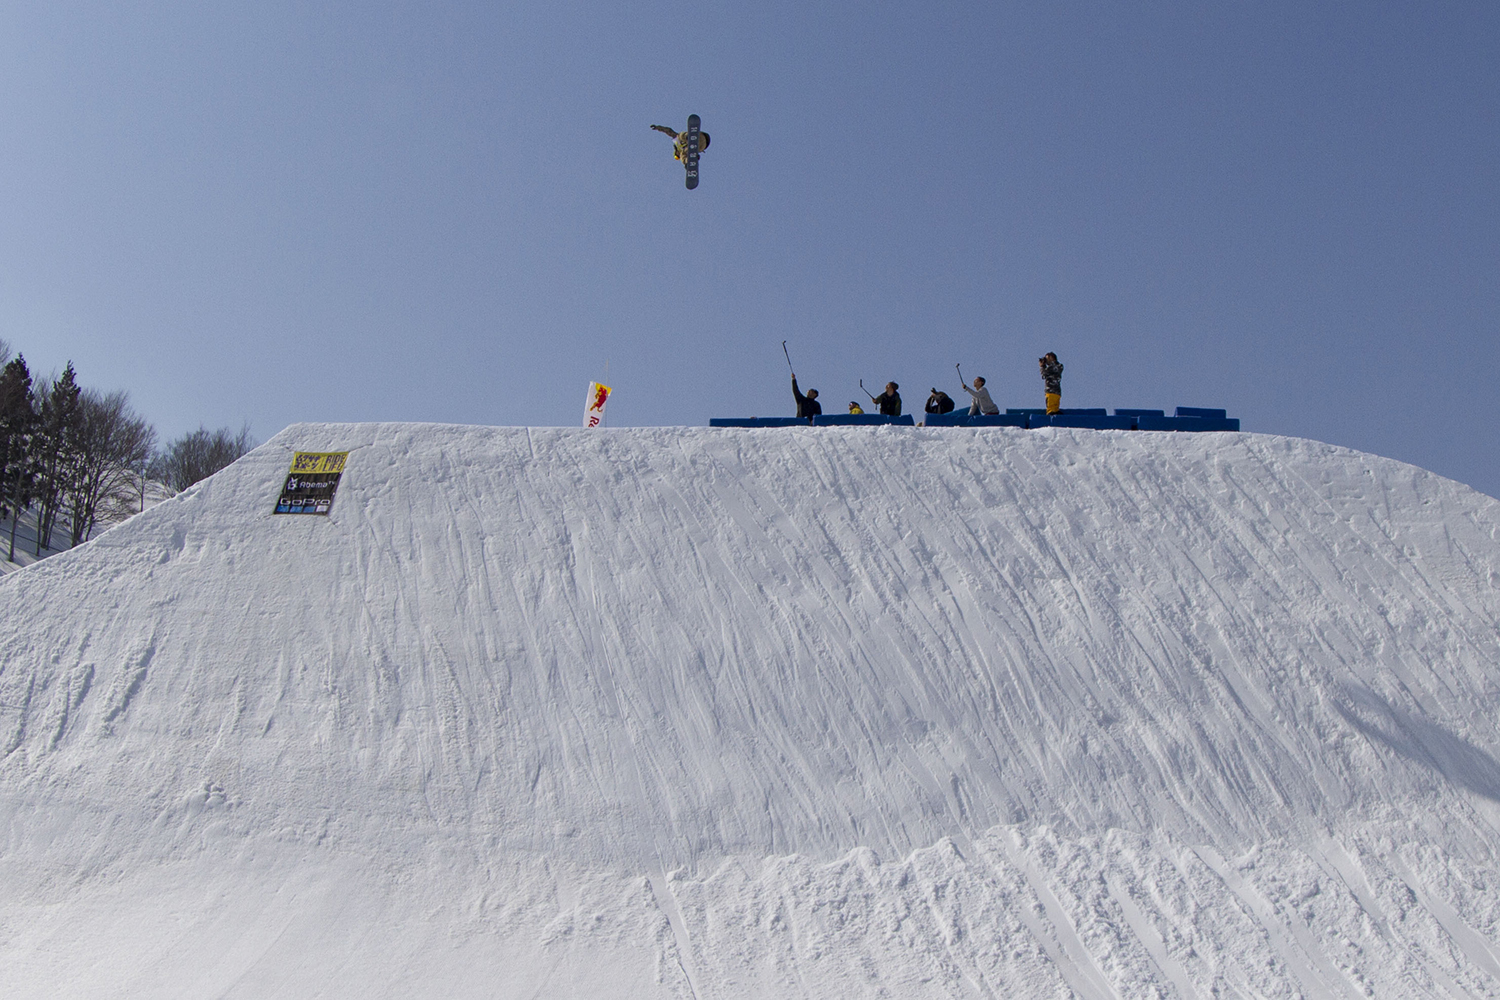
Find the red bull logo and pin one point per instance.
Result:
(593, 413)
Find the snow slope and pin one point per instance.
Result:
(822, 712)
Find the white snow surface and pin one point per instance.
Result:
(761, 713)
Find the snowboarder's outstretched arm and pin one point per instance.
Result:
(664, 129)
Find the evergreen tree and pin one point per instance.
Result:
(56, 447)
(17, 424)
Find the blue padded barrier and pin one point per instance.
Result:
(963, 419)
(1202, 413)
(1187, 424)
(1140, 413)
(758, 422)
(1086, 411)
(1093, 421)
(862, 420)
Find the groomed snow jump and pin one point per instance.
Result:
(684, 713)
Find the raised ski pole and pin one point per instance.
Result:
(788, 360)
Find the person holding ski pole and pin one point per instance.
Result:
(889, 402)
(680, 141)
(982, 402)
(808, 405)
(1052, 370)
(938, 402)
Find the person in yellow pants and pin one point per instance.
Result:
(1052, 370)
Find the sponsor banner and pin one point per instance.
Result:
(593, 408)
(311, 484)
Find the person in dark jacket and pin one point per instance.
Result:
(889, 401)
(808, 405)
(1052, 370)
(939, 402)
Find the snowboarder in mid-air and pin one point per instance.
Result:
(686, 146)
(679, 141)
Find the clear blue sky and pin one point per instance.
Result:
(277, 212)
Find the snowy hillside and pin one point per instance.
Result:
(723, 713)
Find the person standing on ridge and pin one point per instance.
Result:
(938, 402)
(855, 408)
(808, 405)
(982, 401)
(1052, 370)
(888, 401)
(680, 139)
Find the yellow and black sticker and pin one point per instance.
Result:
(310, 463)
(310, 487)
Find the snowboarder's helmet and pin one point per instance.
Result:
(702, 141)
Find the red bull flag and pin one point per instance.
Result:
(593, 408)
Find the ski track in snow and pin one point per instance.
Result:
(701, 713)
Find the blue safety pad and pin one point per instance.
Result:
(1205, 424)
(758, 422)
(1092, 421)
(1202, 413)
(1012, 411)
(998, 420)
(957, 419)
(1140, 413)
(1076, 411)
(862, 420)
(1186, 424)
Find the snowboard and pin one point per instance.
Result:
(692, 151)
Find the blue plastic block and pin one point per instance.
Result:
(956, 418)
(862, 420)
(1093, 421)
(1140, 413)
(1201, 413)
(1093, 411)
(1010, 410)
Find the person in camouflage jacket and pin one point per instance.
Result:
(1052, 370)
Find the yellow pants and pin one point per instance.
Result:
(1054, 402)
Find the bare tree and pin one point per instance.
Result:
(110, 441)
(199, 454)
